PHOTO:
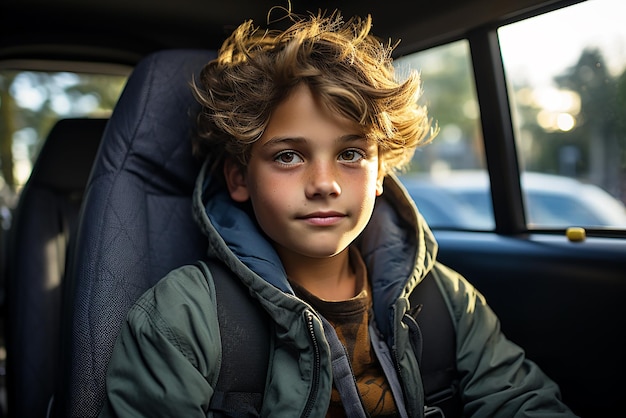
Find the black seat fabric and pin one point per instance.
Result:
(45, 218)
(137, 221)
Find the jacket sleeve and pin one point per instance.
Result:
(166, 358)
(496, 378)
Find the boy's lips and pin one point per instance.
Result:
(322, 218)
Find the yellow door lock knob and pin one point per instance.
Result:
(575, 234)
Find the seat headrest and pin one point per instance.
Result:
(67, 155)
(152, 125)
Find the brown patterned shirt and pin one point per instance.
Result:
(350, 318)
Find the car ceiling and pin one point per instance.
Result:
(123, 31)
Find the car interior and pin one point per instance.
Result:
(47, 214)
(102, 210)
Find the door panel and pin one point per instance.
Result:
(563, 302)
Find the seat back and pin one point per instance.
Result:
(137, 222)
(45, 218)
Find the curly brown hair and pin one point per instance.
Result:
(342, 63)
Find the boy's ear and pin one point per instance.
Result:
(379, 186)
(236, 180)
(381, 177)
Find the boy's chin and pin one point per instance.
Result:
(312, 251)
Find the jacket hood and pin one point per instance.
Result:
(397, 245)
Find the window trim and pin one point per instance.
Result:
(500, 150)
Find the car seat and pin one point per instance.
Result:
(137, 222)
(44, 220)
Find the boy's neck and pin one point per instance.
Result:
(331, 279)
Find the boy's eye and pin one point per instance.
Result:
(288, 157)
(351, 155)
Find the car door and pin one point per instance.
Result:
(525, 185)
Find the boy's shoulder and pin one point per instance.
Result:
(185, 282)
(455, 287)
(182, 296)
(178, 313)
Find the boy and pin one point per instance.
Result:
(305, 129)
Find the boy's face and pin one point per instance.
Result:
(312, 179)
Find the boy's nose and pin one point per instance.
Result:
(322, 181)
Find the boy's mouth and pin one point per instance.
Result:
(322, 218)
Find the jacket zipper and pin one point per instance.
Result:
(399, 371)
(316, 367)
(394, 350)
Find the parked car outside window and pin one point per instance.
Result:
(461, 200)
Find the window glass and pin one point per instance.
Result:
(566, 72)
(447, 178)
(30, 104)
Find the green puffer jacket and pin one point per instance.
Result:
(167, 357)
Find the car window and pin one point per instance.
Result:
(30, 104)
(566, 75)
(567, 90)
(450, 96)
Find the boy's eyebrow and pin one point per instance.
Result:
(303, 140)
